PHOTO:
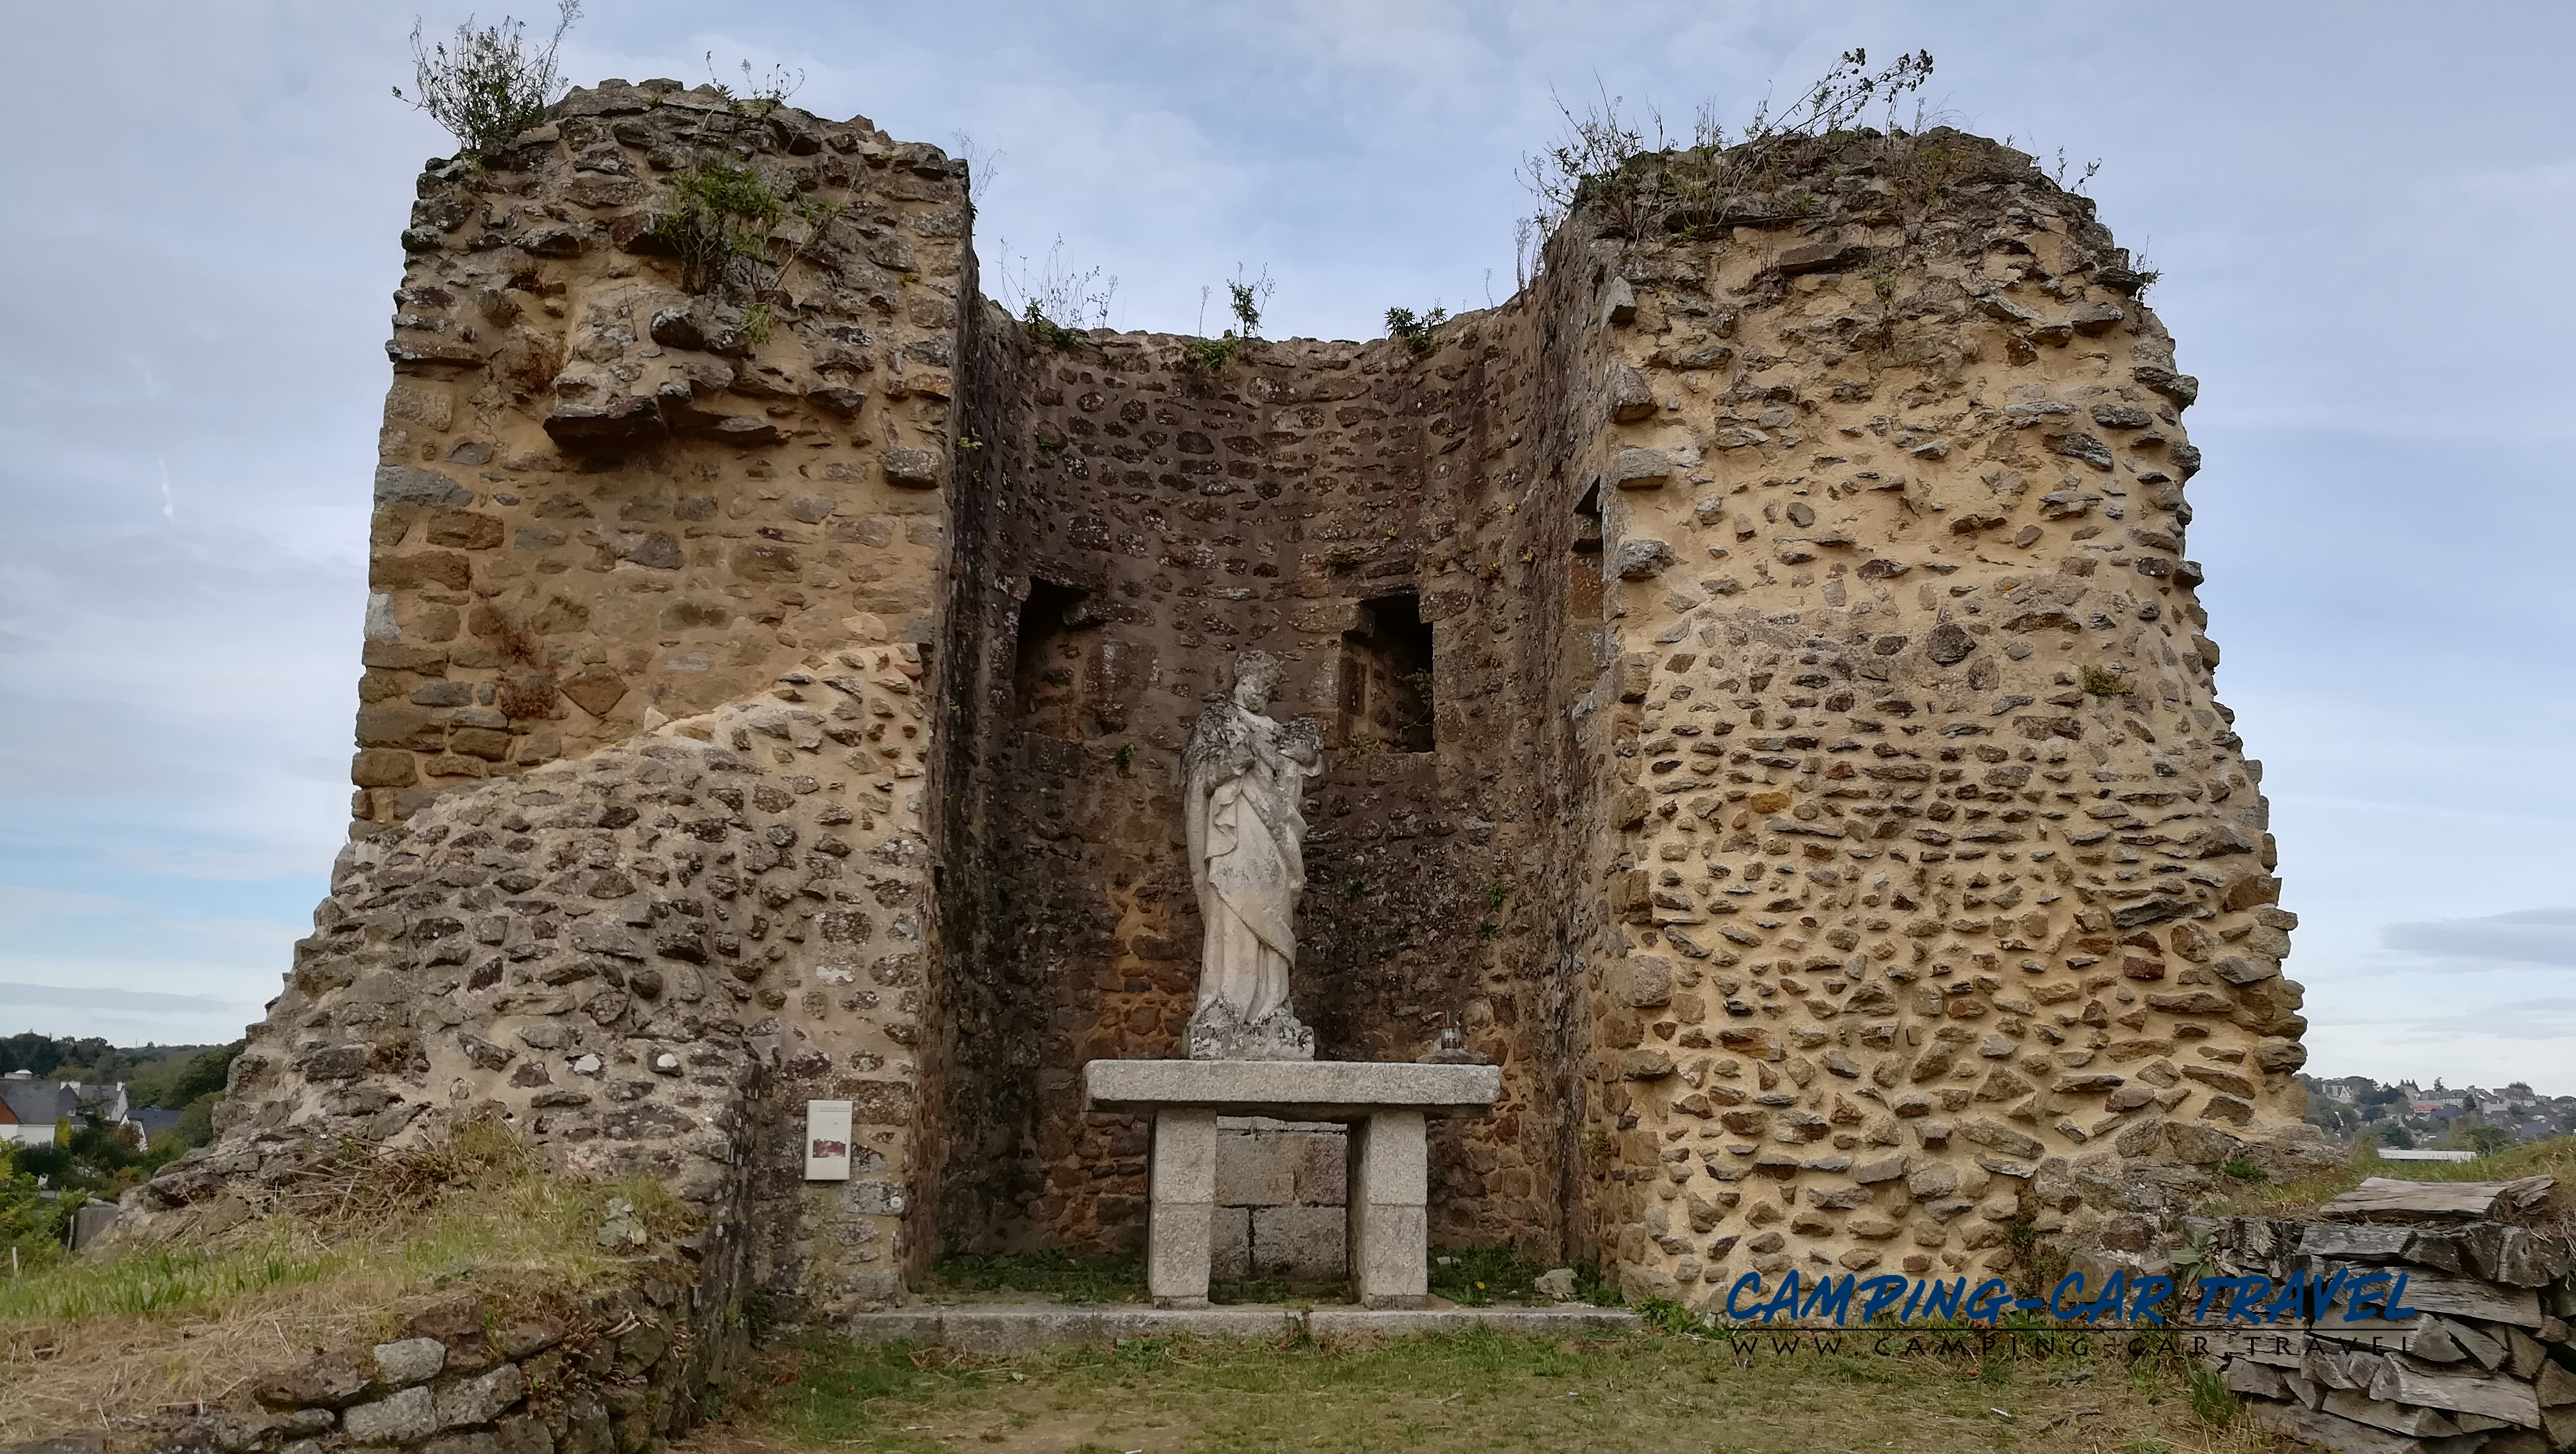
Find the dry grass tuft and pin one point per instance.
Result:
(106, 1343)
(2553, 1157)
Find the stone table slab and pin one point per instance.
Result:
(1292, 1090)
(1018, 1327)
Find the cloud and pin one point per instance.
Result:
(99, 997)
(22, 906)
(2541, 1019)
(2527, 936)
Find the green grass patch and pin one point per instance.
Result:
(2553, 1157)
(1480, 1392)
(172, 1325)
(1050, 1271)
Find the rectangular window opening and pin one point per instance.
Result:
(1387, 698)
(1047, 672)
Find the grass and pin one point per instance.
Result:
(1481, 1276)
(1051, 1272)
(2553, 1157)
(119, 1337)
(1211, 355)
(1481, 1391)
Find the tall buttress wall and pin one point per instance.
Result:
(641, 855)
(1766, 705)
(1943, 894)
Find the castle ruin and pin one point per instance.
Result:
(1766, 708)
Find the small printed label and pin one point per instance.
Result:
(827, 1140)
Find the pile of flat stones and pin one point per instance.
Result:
(611, 1373)
(2488, 1366)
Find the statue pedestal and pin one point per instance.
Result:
(1386, 1106)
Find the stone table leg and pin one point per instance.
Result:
(1390, 1219)
(1181, 1208)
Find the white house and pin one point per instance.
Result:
(31, 1108)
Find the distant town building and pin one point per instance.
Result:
(30, 1109)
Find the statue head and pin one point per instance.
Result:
(1256, 679)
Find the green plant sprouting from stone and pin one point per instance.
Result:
(721, 222)
(1245, 298)
(1057, 303)
(2101, 681)
(1048, 332)
(1248, 297)
(760, 94)
(1211, 355)
(717, 220)
(1415, 330)
(488, 84)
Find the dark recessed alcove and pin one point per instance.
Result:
(1047, 673)
(1386, 677)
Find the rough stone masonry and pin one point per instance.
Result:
(1766, 705)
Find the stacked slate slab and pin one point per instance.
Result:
(2487, 1367)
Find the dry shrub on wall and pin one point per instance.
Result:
(529, 363)
(487, 85)
(1603, 161)
(527, 696)
(530, 692)
(364, 1235)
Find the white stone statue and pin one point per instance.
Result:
(1244, 777)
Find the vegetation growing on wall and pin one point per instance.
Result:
(1413, 329)
(488, 84)
(1604, 158)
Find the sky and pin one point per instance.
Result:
(2361, 212)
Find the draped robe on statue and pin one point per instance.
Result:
(1246, 776)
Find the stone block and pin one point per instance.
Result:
(1179, 1247)
(1389, 1258)
(2330, 1431)
(1257, 1168)
(402, 485)
(2399, 1382)
(2470, 1297)
(1180, 1220)
(481, 1400)
(1640, 469)
(2396, 1418)
(1323, 1170)
(1184, 1158)
(1353, 1325)
(406, 1418)
(410, 1361)
(2345, 1242)
(1390, 1160)
(1230, 1243)
(1389, 1221)
(1299, 1242)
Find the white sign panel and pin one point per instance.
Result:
(827, 1140)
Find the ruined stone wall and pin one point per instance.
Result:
(1945, 886)
(1766, 712)
(641, 853)
(1373, 514)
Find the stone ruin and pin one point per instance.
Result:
(1766, 712)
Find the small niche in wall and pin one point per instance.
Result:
(1587, 521)
(1047, 673)
(1386, 677)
